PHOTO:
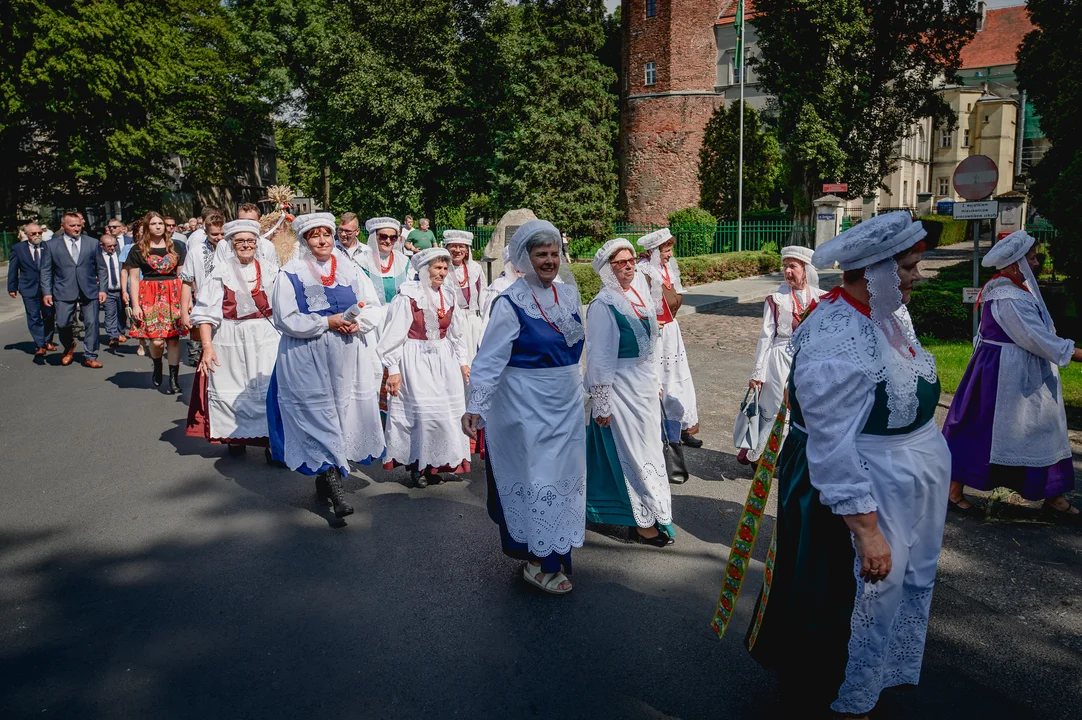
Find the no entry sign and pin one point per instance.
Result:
(975, 177)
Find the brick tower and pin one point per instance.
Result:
(667, 96)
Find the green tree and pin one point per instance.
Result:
(555, 154)
(719, 162)
(98, 94)
(849, 77)
(1047, 57)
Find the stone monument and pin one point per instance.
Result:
(507, 226)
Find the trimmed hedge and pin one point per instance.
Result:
(954, 231)
(936, 305)
(694, 270)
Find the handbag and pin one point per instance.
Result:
(746, 427)
(672, 298)
(675, 466)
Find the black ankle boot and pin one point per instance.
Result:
(174, 379)
(323, 490)
(156, 375)
(338, 494)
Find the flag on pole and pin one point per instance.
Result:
(738, 25)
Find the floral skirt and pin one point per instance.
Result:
(160, 300)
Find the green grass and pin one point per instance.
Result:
(951, 359)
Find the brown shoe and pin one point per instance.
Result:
(114, 342)
(50, 347)
(122, 339)
(91, 364)
(40, 352)
(68, 356)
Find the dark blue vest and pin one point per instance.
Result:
(538, 344)
(341, 297)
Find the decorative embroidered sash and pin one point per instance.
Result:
(747, 531)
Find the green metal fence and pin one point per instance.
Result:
(481, 235)
(7, 239)
(1043, 232)
(722, 237)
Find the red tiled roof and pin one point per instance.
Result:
(727, 14)
(997, 43)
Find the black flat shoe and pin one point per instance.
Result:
(237, 449)
(692, 441)
(419, 479)
(659, 541)
(1062, 517)
(972, 510)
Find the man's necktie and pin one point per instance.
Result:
(113, 280)
(34, 254)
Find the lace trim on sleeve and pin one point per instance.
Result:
(856, 506)
(186, 277)
(480, 401)
(602, 400)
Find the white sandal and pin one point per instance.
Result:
(549, 582)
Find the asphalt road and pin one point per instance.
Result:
(147, 574)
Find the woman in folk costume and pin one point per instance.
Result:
(387, 265)
(526, 389)
(323, 400)
(423, 350)
(782, 312)
(678, 389)
(626, 482)
(471, 284)
(240, 345)
(862, 485)
(505, 280)
(1007, 426)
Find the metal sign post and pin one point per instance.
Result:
(740, 182)
(975, 179)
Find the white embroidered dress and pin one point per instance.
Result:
(245, 348)
(627, 389)
(471, 281)
(424, 419)
(841, 357)
(772, 354)
(532, 410)
(328, 383)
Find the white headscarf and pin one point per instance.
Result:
(561, 314)
(373, 262)
(898, 358)
(308, 273)
(421, 291)
(652, 243)
(613, 294)
(232, 273)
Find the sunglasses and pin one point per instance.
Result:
(32, 234)
(383, 236)
(621, 264)
(112, 227)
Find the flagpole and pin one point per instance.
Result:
(740, 181)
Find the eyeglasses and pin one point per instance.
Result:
(621, 264)
(384, 236)
(347, 233)
(239, 242)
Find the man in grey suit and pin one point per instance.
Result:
(72, 273)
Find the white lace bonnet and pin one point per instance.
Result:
(1012, 250)
(422, 291)
(804, 255)
(457, 237)
(561, 314)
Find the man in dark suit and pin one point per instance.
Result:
(24, 278)
(71, 272)
(114, 304)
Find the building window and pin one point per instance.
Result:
(987, 118)
(965, 138)
(944, 138)
(651, 73)
(944, 186)
(905, 191)
(651, 8)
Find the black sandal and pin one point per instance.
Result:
(1063, 517)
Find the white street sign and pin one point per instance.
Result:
(969, 295)
(983, 210)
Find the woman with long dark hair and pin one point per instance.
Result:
(155, 297)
